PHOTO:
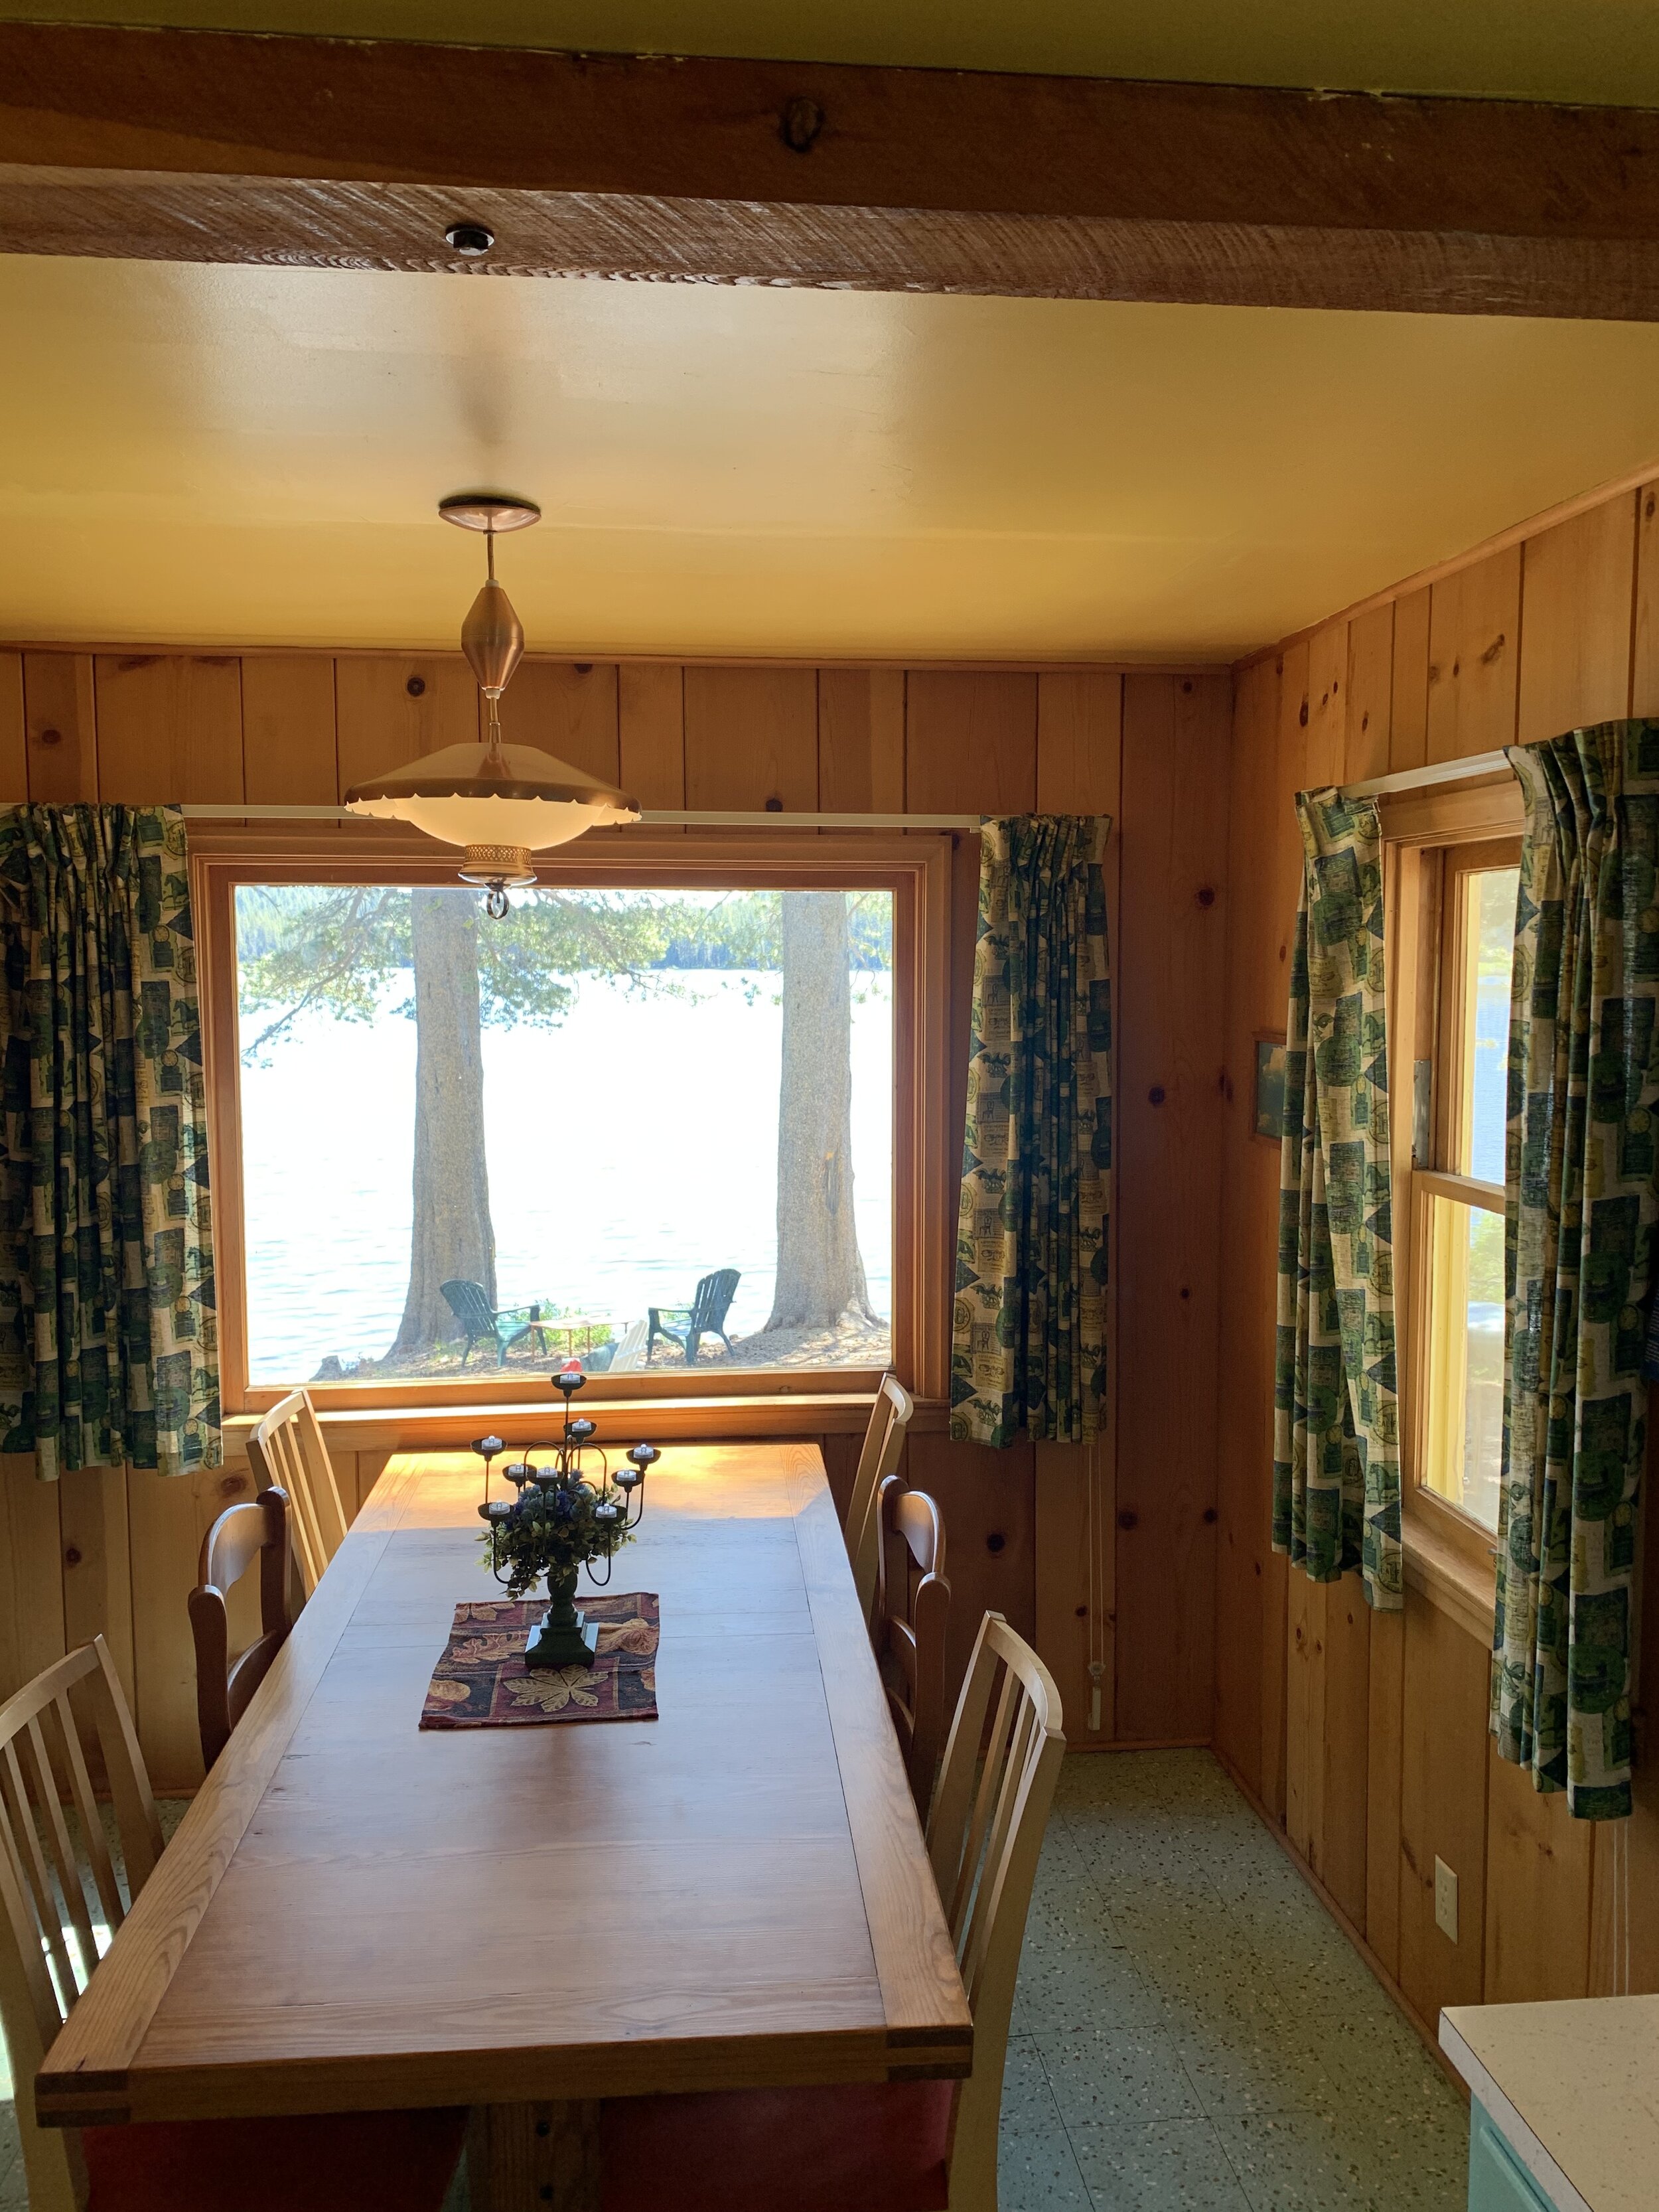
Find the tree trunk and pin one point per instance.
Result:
(453, 1235)
(820, 1272)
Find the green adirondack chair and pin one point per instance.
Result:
(705, 1316)
(503, 1326)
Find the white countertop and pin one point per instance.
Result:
(1573, 2088)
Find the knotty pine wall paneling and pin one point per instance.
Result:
(115, 1550)
(971, 747)
(62, 723)
(1387, 1759)
(1176, 743)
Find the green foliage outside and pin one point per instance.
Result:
(310, 947)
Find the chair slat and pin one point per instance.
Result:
(21, 1931)
(984, 1835)
(88, 1811)
(50, 1797)
(289, 1453)
(984, 1805)
(21, 1816)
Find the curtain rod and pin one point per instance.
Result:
(1419, 779)
(650, 818)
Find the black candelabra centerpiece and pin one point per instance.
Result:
(560, 1521)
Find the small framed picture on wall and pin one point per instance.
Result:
(1269, 1087)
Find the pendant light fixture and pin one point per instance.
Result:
(501, 802)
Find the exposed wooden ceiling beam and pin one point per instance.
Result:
(206, 146)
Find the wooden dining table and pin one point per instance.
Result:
(356, 1914)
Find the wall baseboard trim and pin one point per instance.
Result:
(1423, 2027)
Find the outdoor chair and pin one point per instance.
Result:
(704, 1316)
(503, 1326)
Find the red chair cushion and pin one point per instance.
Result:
(335, 2162)
(859, 2147)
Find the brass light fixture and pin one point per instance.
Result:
(501, 802)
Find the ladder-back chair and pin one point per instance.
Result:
(883, 1440)
(287, 1453)
(62, 1893)
(886, 2146)
(912, 1613)
(242, 1536)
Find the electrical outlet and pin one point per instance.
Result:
(1445, 1900)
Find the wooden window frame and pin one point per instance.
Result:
(915, 866)
(1430, 837)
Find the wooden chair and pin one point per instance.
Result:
(883, 1440)
(911, 1613)
(62, 1893)
(224, 1686)
(289, 1453)
(705, 1316)
(886, 2146)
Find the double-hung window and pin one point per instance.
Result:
(1456, 870)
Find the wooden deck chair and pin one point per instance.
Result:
(912, 1614)
(886, 2146)
(883, 1440)
(705, 1316)
(287, 1454)
(241, 1535)
(61, 1891)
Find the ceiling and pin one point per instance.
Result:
(1594, 49)
(245, 456)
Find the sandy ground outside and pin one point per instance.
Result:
(851, 1344)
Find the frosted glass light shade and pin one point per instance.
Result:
(518, 797)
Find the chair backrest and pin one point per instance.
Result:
(289, 1453)
(242, 1536)
(712, 1300)
(911, 1613)
(984, 1835)
(883, 1440)
(470, 1306)
(61, 1888)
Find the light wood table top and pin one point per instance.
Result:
(357, 1914)
(1572, 2086)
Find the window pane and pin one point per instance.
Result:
(1463, 1455)
(1490, 946)
(622, 1092)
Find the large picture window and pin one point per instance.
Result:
(468, 1142)
(663, 1119)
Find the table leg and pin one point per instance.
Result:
(522, 2157)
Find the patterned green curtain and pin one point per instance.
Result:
(108, 1342)
(1029, 1347)
(1583, 1096)
(1336, 1435)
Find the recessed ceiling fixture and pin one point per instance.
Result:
(501, 802)
(471, 239)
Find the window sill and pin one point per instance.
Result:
(451, 1428)
(1437, 1570)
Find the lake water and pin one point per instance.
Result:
(631, 1150)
